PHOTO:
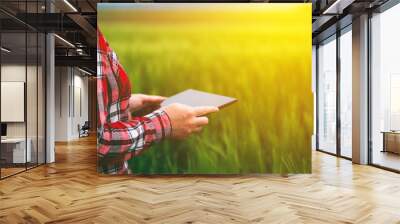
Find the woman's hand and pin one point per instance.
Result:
(139, 102)
(186, 120)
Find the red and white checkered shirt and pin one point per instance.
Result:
(119, 136)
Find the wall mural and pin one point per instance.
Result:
(257, 54)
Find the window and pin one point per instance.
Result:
(385, 89)
(394, 102)
(346, 93)
(327, 95)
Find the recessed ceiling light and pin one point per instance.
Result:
(84, 71)
(337, 7)
(5, 50)
(70, 5)
(64, 40)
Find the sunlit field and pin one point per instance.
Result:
(257, 53)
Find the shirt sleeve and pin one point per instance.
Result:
(136, 134)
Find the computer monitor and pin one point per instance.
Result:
(3, 130)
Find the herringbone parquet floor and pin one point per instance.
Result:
(70, 191)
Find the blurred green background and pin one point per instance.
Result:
(257, 53)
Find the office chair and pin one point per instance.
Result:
(84, 130)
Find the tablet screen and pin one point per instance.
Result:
(197, 98)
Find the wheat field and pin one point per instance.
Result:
(257, 53)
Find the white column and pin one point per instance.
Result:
(360, 89)
(50, 92)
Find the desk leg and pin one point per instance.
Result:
(384, 142)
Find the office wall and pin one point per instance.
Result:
(92, 100)
(17, 73)
(71, 102)
(33, 126)
(61, 103)
(80, 110)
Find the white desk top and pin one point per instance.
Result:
(13, 140)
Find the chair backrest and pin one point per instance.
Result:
(86, 124)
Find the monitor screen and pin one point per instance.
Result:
(3, 129)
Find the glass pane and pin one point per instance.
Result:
(314, 78)
(22, 79)
(346, 94)
(41, 99)
(13, 86)
(31, 100)
(327, 96)
(31, 88)
(386, 89)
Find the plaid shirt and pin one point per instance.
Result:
(121, 137)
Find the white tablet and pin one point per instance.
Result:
(197, 98)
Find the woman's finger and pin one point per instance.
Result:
(154, 99)
(204, 110)
(201, 121)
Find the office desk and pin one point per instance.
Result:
(391, 142)
(13, 150)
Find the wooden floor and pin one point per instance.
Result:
(387, 159)
(10, 171)
(70, 191)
